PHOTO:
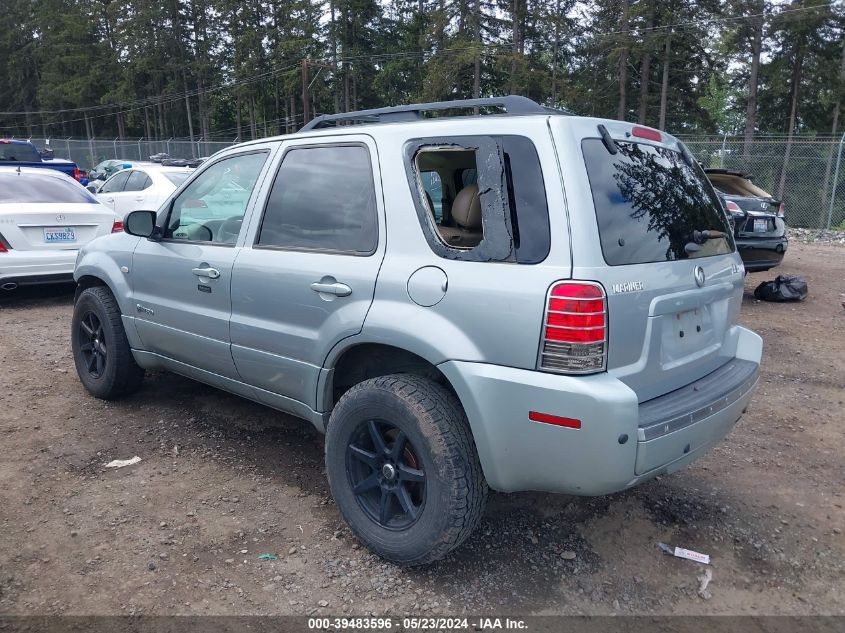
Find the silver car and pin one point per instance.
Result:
(519, 300)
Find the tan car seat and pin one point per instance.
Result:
(466, 213)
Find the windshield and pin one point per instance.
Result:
(34, 188)
(651, 206)
(177, 177)
(20, 152)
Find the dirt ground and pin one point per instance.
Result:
(223, 481)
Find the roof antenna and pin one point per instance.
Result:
(18, 170)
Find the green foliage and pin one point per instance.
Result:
(109, 68)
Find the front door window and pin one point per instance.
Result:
(211, 208)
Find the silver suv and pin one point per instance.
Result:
(520, 299)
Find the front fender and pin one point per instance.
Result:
(103, 259)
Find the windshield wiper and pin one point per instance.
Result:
(607, 140)
(700, 237)
(697, 238)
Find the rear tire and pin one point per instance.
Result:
(101, 351)
(416, 493)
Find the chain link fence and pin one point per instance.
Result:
(802, 173)
(87, 153)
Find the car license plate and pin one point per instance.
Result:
(761, 225)
(59, 235)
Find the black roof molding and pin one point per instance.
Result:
(514, 105)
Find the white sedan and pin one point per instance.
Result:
(45, 216)
(141, 188)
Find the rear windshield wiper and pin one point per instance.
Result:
(700, 237)
(607, 140)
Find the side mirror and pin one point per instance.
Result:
(47, 153)
(141, 224)
(91, 187)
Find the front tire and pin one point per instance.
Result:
(101, 351)
(403, 468)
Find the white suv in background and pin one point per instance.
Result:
(144, 187)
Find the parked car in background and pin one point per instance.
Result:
(142, 187)
(106, 168)
(17, 153)
(182, 162)
(757, 216)
(45, 216)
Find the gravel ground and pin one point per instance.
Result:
(223, 481)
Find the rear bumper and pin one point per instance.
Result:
(609, 452)
(761, 253)
(37, 267)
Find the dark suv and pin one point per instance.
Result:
(758, 219)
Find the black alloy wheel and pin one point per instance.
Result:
(92, 344)
(386, 475)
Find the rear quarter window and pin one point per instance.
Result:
(649, 205)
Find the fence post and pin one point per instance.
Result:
(835, 180)
(168, 145)
(67, 142)
(114, 144)
(140, 157)
(722, 152)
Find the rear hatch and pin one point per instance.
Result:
(36, 227)
(648, 226)
(48, 212)
(754, 210)
(758, 216)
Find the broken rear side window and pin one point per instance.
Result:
(484, 197)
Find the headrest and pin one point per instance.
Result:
(466, 209)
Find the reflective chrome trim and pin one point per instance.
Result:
(556, 355)
(567, 327)
(552, 357)
(576, 313)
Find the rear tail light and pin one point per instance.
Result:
(732, 207)
(117, 227)
(574, 329)
(781, 211)
(4, 245)
(77, 175)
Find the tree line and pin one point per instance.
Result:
(250, 68)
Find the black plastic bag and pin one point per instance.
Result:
(783, 288)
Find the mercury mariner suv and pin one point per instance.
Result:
(516, 298)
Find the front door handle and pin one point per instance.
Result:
(139, 199)
(337, 289)
(211, 273)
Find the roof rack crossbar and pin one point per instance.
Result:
(512, 104)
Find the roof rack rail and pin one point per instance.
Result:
(513, 105)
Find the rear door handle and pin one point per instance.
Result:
(139, 199)
(211, 273)
(337, 289)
